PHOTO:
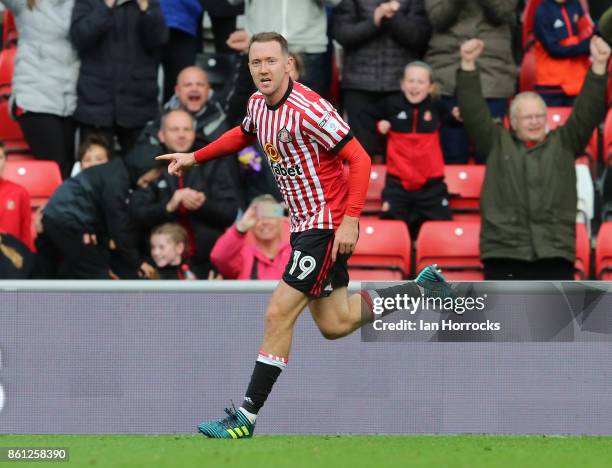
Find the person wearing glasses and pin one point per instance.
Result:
(528, 199)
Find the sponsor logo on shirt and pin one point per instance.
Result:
(272, 152)
(291, 171)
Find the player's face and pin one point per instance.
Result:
(267, 227)
(192, 89)
(2, 161)
(177, 132)
(416, 84)
(530, 120)
(269, 69)
(94, 156)
(165, 251)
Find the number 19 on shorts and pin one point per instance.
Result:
(305, 264)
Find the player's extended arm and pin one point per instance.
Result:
(359, 179)
(230, 142)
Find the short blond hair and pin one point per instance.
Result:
(175, 231)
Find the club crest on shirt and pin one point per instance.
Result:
(284, 136)
(272, 152)
(10, 205)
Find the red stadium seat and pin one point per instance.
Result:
(40, 178)
(9, 31)
(364, 274)
(557, 116)
(607, 138)
(384, 246)
(582, 265)
(527, 72)
(528, 20)
(603, 253)
(10, 131)
(464, 184)
(454, 246)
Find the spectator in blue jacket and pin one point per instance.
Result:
(184, 21)
(562, 52)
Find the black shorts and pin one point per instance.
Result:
(310, 268)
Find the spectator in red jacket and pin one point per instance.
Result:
(15, 209)
(414, 189)
(267, 257)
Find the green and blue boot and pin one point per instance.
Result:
(235, 426)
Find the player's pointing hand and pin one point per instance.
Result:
(178, 162)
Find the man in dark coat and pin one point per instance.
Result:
(87, 220)
(120, 44)
(204, 201)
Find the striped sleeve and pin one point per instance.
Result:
(247, 125)
(323, 125)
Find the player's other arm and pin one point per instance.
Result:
(230, 142)
(358, 181)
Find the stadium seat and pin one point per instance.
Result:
(607, 139)
(9, 31)
(10, 131)
(464, 184)
(603, 253)
(557, 116)
(383, 249)
(373, 202)
(454, 246)
(220, 68)
(527, 71)
(40, 178)
(528, 19)
(582, 265)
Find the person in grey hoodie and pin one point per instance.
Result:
(44, 82)
(303, 23)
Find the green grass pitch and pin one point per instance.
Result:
(470, 451)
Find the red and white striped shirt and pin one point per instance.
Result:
(300, 136)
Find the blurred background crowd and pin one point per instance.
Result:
(92, 90)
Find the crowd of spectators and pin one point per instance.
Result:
(87, 93)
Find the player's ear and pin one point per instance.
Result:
(289, 64)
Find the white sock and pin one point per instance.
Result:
(250, 416)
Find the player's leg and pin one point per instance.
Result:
(283, 309)
(339, 314)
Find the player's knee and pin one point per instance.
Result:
(274, 316)
(332, 333)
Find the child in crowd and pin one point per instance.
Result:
(15, 209)
(168, 243)
(414, 189)
(94, 150)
